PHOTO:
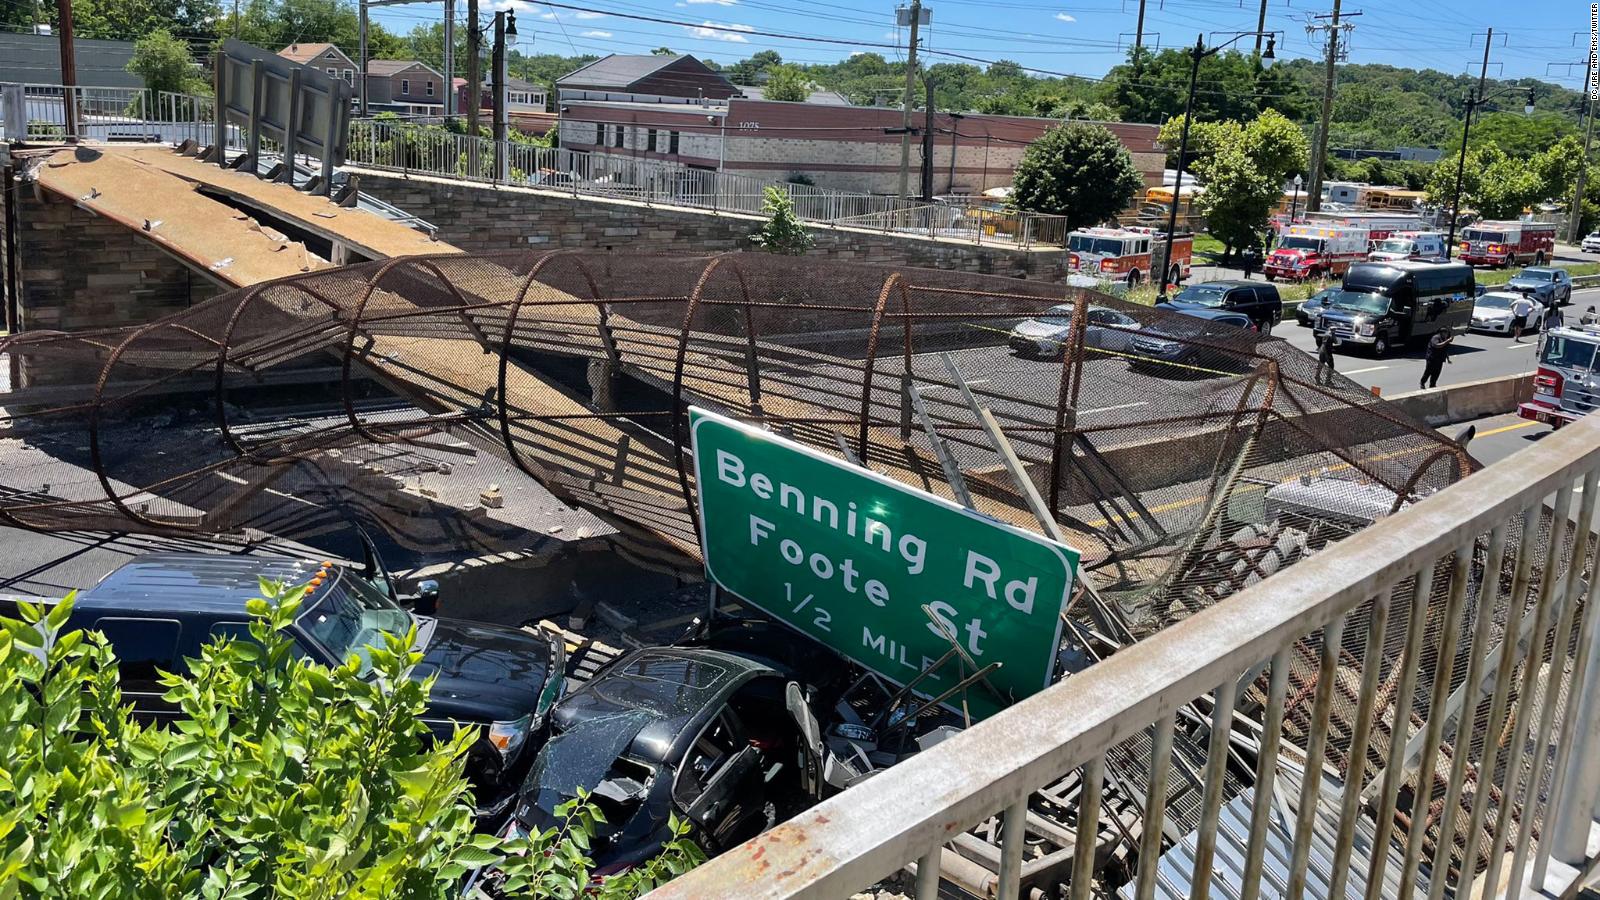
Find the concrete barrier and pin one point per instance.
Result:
(1467, 400)
(1190, 455)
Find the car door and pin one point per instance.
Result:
(1102, 334)
(713, 786)
(1269, 305)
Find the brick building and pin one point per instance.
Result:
(843, 147)
(673, 108)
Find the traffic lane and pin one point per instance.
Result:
(1476, 356)
(1498, 437)
(50, 565)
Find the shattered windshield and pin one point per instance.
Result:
(581, 756)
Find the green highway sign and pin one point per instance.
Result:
(851, 558)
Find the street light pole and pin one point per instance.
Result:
(1198, 53)
(1294, 204)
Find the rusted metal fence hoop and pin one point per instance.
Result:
(227, 343)
(692, 305)
(95, 457)
(512, 315)
(872, 358)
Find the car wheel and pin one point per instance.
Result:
(1380, 346)
(1133, 278)
(1175, 275)
(1266, 327)
(1269, 276)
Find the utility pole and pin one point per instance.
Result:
(502, 168)
(911, 80)
(449, 61)
(1575, 211)
(474, 88)
(1261, 26)
(927, 143)
(1138, 29)
(69, 69)
(361, 48)
(236, 19)
(1319, 150)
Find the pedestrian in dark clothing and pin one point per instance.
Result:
(1438, 355)
(1325, 359)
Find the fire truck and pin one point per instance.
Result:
(1508, 243)
(1316, 251)
(1125, 253)
(1377, 225)
(1566, 385)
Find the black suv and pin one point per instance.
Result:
(160, 609)
(1258, 301)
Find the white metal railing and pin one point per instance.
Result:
(437, 151)
(51, 112)
(1461, 617)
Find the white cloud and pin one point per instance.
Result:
(589, 15)
(1065, 18)
(596, 34)
(719, 31)
(711, 2)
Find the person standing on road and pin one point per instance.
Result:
(1325, 359)
(1438, 355)
(1552, 319)
(1520, 308)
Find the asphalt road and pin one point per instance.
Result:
(1476, 355)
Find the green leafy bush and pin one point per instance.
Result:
(278, 778)
(782, 232)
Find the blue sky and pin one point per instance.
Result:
(1083, 38)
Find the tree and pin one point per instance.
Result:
(279, 778)
(782, 232)
(1492, 183)
(663, 51)
(786, 83)
(1243, 167)
(1077, 170)
(164, 63)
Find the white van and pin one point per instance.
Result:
(1427, 246)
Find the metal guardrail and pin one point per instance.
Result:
(408, 147)
(1460, 616)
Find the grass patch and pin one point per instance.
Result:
(1205, 243)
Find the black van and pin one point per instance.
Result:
(1389, 304)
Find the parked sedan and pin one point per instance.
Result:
(1046, 335)
(1492, 313)
(1175, 348)
(1591, 243)
(1306, 313)
(1547, 284)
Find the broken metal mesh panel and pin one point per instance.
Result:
(577, 367)
(1185, 459)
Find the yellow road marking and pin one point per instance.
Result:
(1504, 428)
